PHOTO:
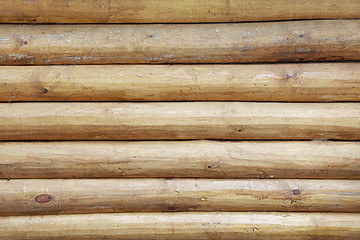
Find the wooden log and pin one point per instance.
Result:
(204, 159)
(264, 82)
(158, 11)
(189, 120)
(248, 226)
(322, 40)
(69, 196)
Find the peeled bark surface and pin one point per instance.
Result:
(200, 159)
(169, 121)
(248, 226)
(294, 41)
(263, 82)
(59, 196)
(172, 11)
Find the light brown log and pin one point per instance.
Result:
(322, 40)
(263, 82)
(189, 120)
(205, 159)
(159, 11)
(68, 196)
(184, 226)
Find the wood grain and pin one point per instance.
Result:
(188, 120)
(159, 11)
(201, 159)
(248, 226)
(69, 196)
(295, 41)
(264, 82)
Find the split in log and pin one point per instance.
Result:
(68, 196)
(264, 82)
(173, 121)
(318, 40)
(200, 159)
(202, 226)
(174, 11)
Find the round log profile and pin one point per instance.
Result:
(179, 121)
(69, 196)
(180, 226)
(172, 11)
(198, 159)
(294, 41)
(258, 82)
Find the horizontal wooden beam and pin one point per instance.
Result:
(263, 82)
(189, 120)
(68, 196)
(158, 11)
(322, 40)
(247, 226)
(201, 159)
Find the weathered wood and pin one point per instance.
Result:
(321, 40)
(264, 82)
(248, 226)
(66, 196)
(205, 159)
(190, 120)
(159, 11)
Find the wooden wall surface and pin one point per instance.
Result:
(169, 119)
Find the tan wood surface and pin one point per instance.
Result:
(263, 82)
(190, 120)
(293, 41)
(67, 196)
(200, 189)
(184, 226)
(157, 11)
(201, 159)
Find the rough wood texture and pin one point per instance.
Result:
(203, 159)
(265, 82)
(159, 11)
(190, 120)
(322, 40)
(66, 196)
(247, 226)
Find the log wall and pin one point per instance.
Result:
(180, 119)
